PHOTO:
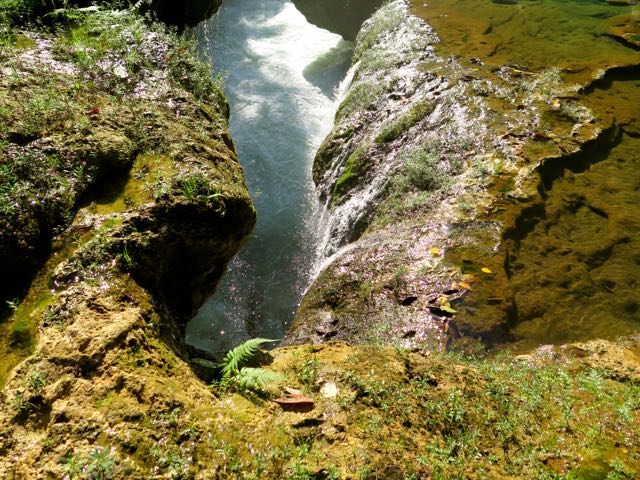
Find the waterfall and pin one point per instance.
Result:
(281, 78)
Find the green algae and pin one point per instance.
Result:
(148, 178)
(18, 332)
(569, 265)
(572, 35)
(22, 42)
(354, 167)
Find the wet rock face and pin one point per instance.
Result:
(435, 160)
(338, 16)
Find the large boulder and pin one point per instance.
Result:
(343, 17)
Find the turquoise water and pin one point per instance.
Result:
(281, 74)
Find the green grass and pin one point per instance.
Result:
(379, 24)
(423, 171)
(198, 188)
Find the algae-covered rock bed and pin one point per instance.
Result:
(457, 212)
(452, 166)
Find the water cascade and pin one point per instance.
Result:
(281, 73)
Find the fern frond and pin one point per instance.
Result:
(232, 360)
(253, 378)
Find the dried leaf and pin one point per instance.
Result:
(295, 404)
(293, 392)
(469, 277)
(486, 270)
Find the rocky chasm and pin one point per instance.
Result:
(441, 172)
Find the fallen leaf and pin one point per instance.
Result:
(469, 277)
(295, 404)
(464, 285)
(448, 309)
(435, 251)
(294, 392)
(485, 270)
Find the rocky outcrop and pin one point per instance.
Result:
(121, 185)
(432, 159)
(337, 16)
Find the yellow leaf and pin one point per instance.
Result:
(485, 270)
(435, 251)
(464, 285)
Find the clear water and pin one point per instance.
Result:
(571, 271)
(281, 75)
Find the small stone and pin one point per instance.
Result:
(329, 390)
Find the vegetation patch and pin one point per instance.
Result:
(424, 171)
(418, 111)
(378, 25)
(360, 96)
(354, 168)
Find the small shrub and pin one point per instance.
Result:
(308, 372)
(422, 170)
(427, 169)
(99, 464)
(37, 380)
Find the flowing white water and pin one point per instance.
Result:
(280, 77)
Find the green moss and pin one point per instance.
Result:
(359, 98)
(354, 167)
(21, 333)
(378, 25)
(395, 129)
